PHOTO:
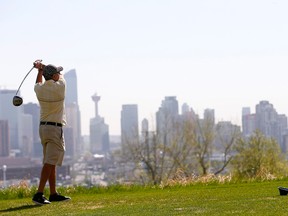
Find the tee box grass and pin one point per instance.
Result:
(245, 198)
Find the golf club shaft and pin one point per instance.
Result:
(26, 76)
(24, 79)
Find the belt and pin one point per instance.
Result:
(51, 123)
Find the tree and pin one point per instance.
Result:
(182, 145)
(226, 138)
(146, 158)
(258, 157)
(203, 147)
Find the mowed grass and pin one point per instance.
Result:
(252, 198)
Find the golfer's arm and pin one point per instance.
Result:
(39, 76)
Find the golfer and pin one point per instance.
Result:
(51, 95)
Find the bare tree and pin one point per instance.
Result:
(147, 156)
(226, 138)
(181, 149)
(203, 146)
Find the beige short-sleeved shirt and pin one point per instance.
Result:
(51, 95)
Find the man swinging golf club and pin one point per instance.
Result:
(50, 94)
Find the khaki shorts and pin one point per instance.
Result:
(52, 139)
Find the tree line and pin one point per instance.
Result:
(198, 147)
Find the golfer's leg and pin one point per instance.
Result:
(45, 175)
(52, 180)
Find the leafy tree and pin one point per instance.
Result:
(258, 157)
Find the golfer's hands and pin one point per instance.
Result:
(37, 64)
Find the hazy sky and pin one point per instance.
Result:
(218, 54)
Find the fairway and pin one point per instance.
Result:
(256, 198)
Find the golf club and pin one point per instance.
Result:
(17, 100)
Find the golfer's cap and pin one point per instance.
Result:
(50, 69)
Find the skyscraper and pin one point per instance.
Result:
(73, 128)
(267, 121)
(248, 122)
(129, 123)
(4, 138)
(209, 114)
(167, 115)
(26, 143)
(71, 87)
(12, 114)
(34, 110)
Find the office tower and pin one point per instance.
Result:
(188, 114)
(270, 123)
(167, 115)
(283, 132)
(4, 138)
(185, 109)
(34, 110)
(71, 87)
(267, 121)
(74, 144)
(26, 142)
(170, 106)
(69, 142)
(129, 124)
(99, 131)
(71, 130)
(144, 125)
(11, 114)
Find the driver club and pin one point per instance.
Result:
(17, 100)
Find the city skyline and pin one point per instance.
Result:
(181, 107)
(220, 55)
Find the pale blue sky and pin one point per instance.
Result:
(218, 54)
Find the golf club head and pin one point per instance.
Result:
(17, 101)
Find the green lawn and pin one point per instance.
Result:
(256, 198)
